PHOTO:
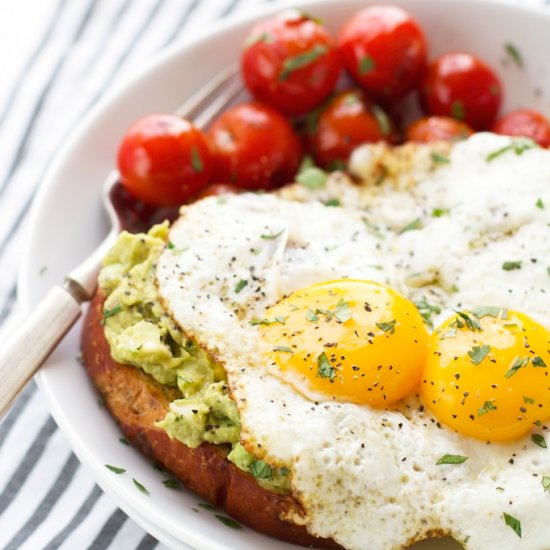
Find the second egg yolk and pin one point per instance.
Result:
(487, 374)
(347, 340)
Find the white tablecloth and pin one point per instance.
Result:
(57, 57)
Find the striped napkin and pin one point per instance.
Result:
(57, 59)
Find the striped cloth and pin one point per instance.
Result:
(71, 53)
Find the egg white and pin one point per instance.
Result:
(368, 478)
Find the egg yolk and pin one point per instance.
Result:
(487, 374)
(347, 340)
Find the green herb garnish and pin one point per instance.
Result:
(517, 364)
(115, 469)
(510, 266)
(538, 361)
(457, 110)
(513, 52)
(302, 60)
(490, 311)
(272, 236)
(528, 400)
(382, 119)
(311, 316)
(514, 523)
(261, 470)
(266, 322)
(312, 178)
(546, 483)
(286, 349)
(465, 319)
(487, 407)
(255, 38)
(366, 65)
(439, 212)
(228, 522)
(171, 483)
(141, 487)
(240, 285)
(196, 161)
(478, 353)
(518, 146)
(539, 204)
(439, 158)
(411, 226)
(427, 310)
(451, 459)
(324, 368)
(387, 327)
(332, 202)
(342, 311)
(539, 440)
(110, 312)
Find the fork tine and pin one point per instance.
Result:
(195, 104)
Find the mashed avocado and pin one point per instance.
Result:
(142, 334)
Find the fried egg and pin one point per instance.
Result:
(316, 312)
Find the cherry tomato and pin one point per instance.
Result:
(164, 160)
(253, 146)
(216, 189)
(527, 123)
(462, 86)
(384, 50)
(437, 128)
(290, 62)
(349, 120)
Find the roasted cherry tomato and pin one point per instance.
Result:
(384, 50)
(527, 123)
(164, 160)
(253, 146)
(216, 189)
(437, 128)
(462, 86)
(290, 62)
(349, 120)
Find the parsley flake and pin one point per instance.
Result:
(311, 316)
(451, 459)
(255, 38)
(487, 407)
(382, 119)
(366, 65)
(539, 440)
(261, 470)
(342, 311)
(324, 368)
(115, 469)
(439, 212)
(457, 110)
(478, 353)
(438, 158)
(332, 202)
(170, 245)
(427, 310)
(510, 266)
(196, 161)
(538, 361)
(517, 364)
(312, 178)
(539, 204)
(528, 400)
(286, 349)
(465, 319)
(302, 60)
(228, 522)
(240, 285)
(411, 226)
(272, 236)
(110, 313)
(141, 487)
(171, 483)
(387, 327)
(490, 311)
(546, 483)
(206, 506)
(518, 146)
(277, 319)
(514, 523)
(513, 52)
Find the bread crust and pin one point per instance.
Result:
(137, 401)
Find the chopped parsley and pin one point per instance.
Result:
(451, 459)
(427, 310)
(342, 311)
(240, 285)
(478, 353)
(366, 65)
(141, 487)
(272, 236)
(464, 319)
(539, 440)
(546, 483)
(277, 319)
(311, 316)
(206, 506)
(228, 522)
(514, 53)
(115, 469)
(196, 161)
(517, 363)
(302, 60)
(382, 119)
(324, 368)
(539, 204)
(510, 266)
(171, 483)
(411, 226)
(332, 202)
(439, 212)
(490, 311)
(487, 407)
(170, 245)
(312, 178)
(286, 349)
(514, 523)
(110, 312)
(538, 361)
(457, 110)
(387, 327)
(260, 37)
(518, 145)
(261, 470)
(438, 158)
(528, 400)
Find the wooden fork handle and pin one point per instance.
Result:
(32, 342)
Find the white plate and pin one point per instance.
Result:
(66, 223)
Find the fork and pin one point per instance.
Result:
(28, 347)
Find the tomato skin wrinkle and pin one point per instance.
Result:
(290, 62)
(384, 50)
(524, 123)
(164, 160)
(349, 120)
(462, 86)
(254, 147)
